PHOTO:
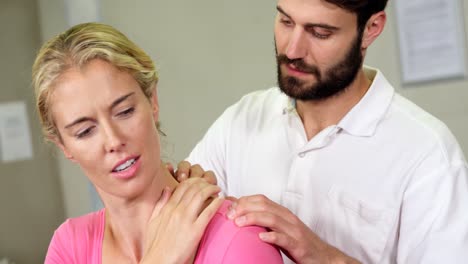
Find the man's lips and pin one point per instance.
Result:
(291, 69)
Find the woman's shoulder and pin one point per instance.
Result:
(230, 230)
(225, 242)
(77, 239)
(91, 223)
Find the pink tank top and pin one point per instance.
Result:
(79, 240)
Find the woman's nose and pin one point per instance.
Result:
(113, 138)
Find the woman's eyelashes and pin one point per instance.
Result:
(89, 130)
(84, 132)
(126, 113)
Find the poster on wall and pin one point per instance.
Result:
(15, 135)
(432, 39)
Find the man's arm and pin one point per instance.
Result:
(186, 170)
(287, 231)
(434, 219)
(208, 156)
(210, 152)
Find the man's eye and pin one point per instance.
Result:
(286, 22)
(84, 133)
(126, 112)
(321, 34)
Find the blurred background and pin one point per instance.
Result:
(209, 53)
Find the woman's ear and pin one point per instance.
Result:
(373, 28)
(155, 104)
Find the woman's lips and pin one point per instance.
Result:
(127, 169)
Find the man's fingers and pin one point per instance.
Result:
(210, 177)
(231, 198)
(280, 239)
(183, 170)
(257, 203)
(266, 219)
(196, 171)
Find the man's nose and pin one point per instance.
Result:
(297, 45)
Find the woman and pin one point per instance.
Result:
(96, 97)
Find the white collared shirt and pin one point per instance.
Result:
(387, 184)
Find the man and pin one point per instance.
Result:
(338, 166)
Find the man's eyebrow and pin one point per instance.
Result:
(282, 11)
(309, 25)
(114, 104)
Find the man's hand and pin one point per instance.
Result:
(287, 231)
(185, 170)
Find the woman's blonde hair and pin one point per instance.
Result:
(74, 48)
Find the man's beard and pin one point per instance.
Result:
(334, 81)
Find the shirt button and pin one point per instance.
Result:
(302, 154)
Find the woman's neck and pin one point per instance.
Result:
(126, 220)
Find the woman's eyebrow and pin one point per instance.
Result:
(77, 121)
(121, 99)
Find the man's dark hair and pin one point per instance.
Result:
(364, 9)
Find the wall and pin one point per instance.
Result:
(74, 185)
(447, 99)
(30, 194)
(211, 52)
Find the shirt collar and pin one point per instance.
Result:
(364, 117)
(290, 107)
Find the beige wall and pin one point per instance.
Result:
(211, 52)
(447, 100)
(30, 195)
(74, 185)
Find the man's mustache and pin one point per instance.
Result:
(299, 64)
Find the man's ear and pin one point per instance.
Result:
(64, 149)
(373, 28)
(155, 104)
